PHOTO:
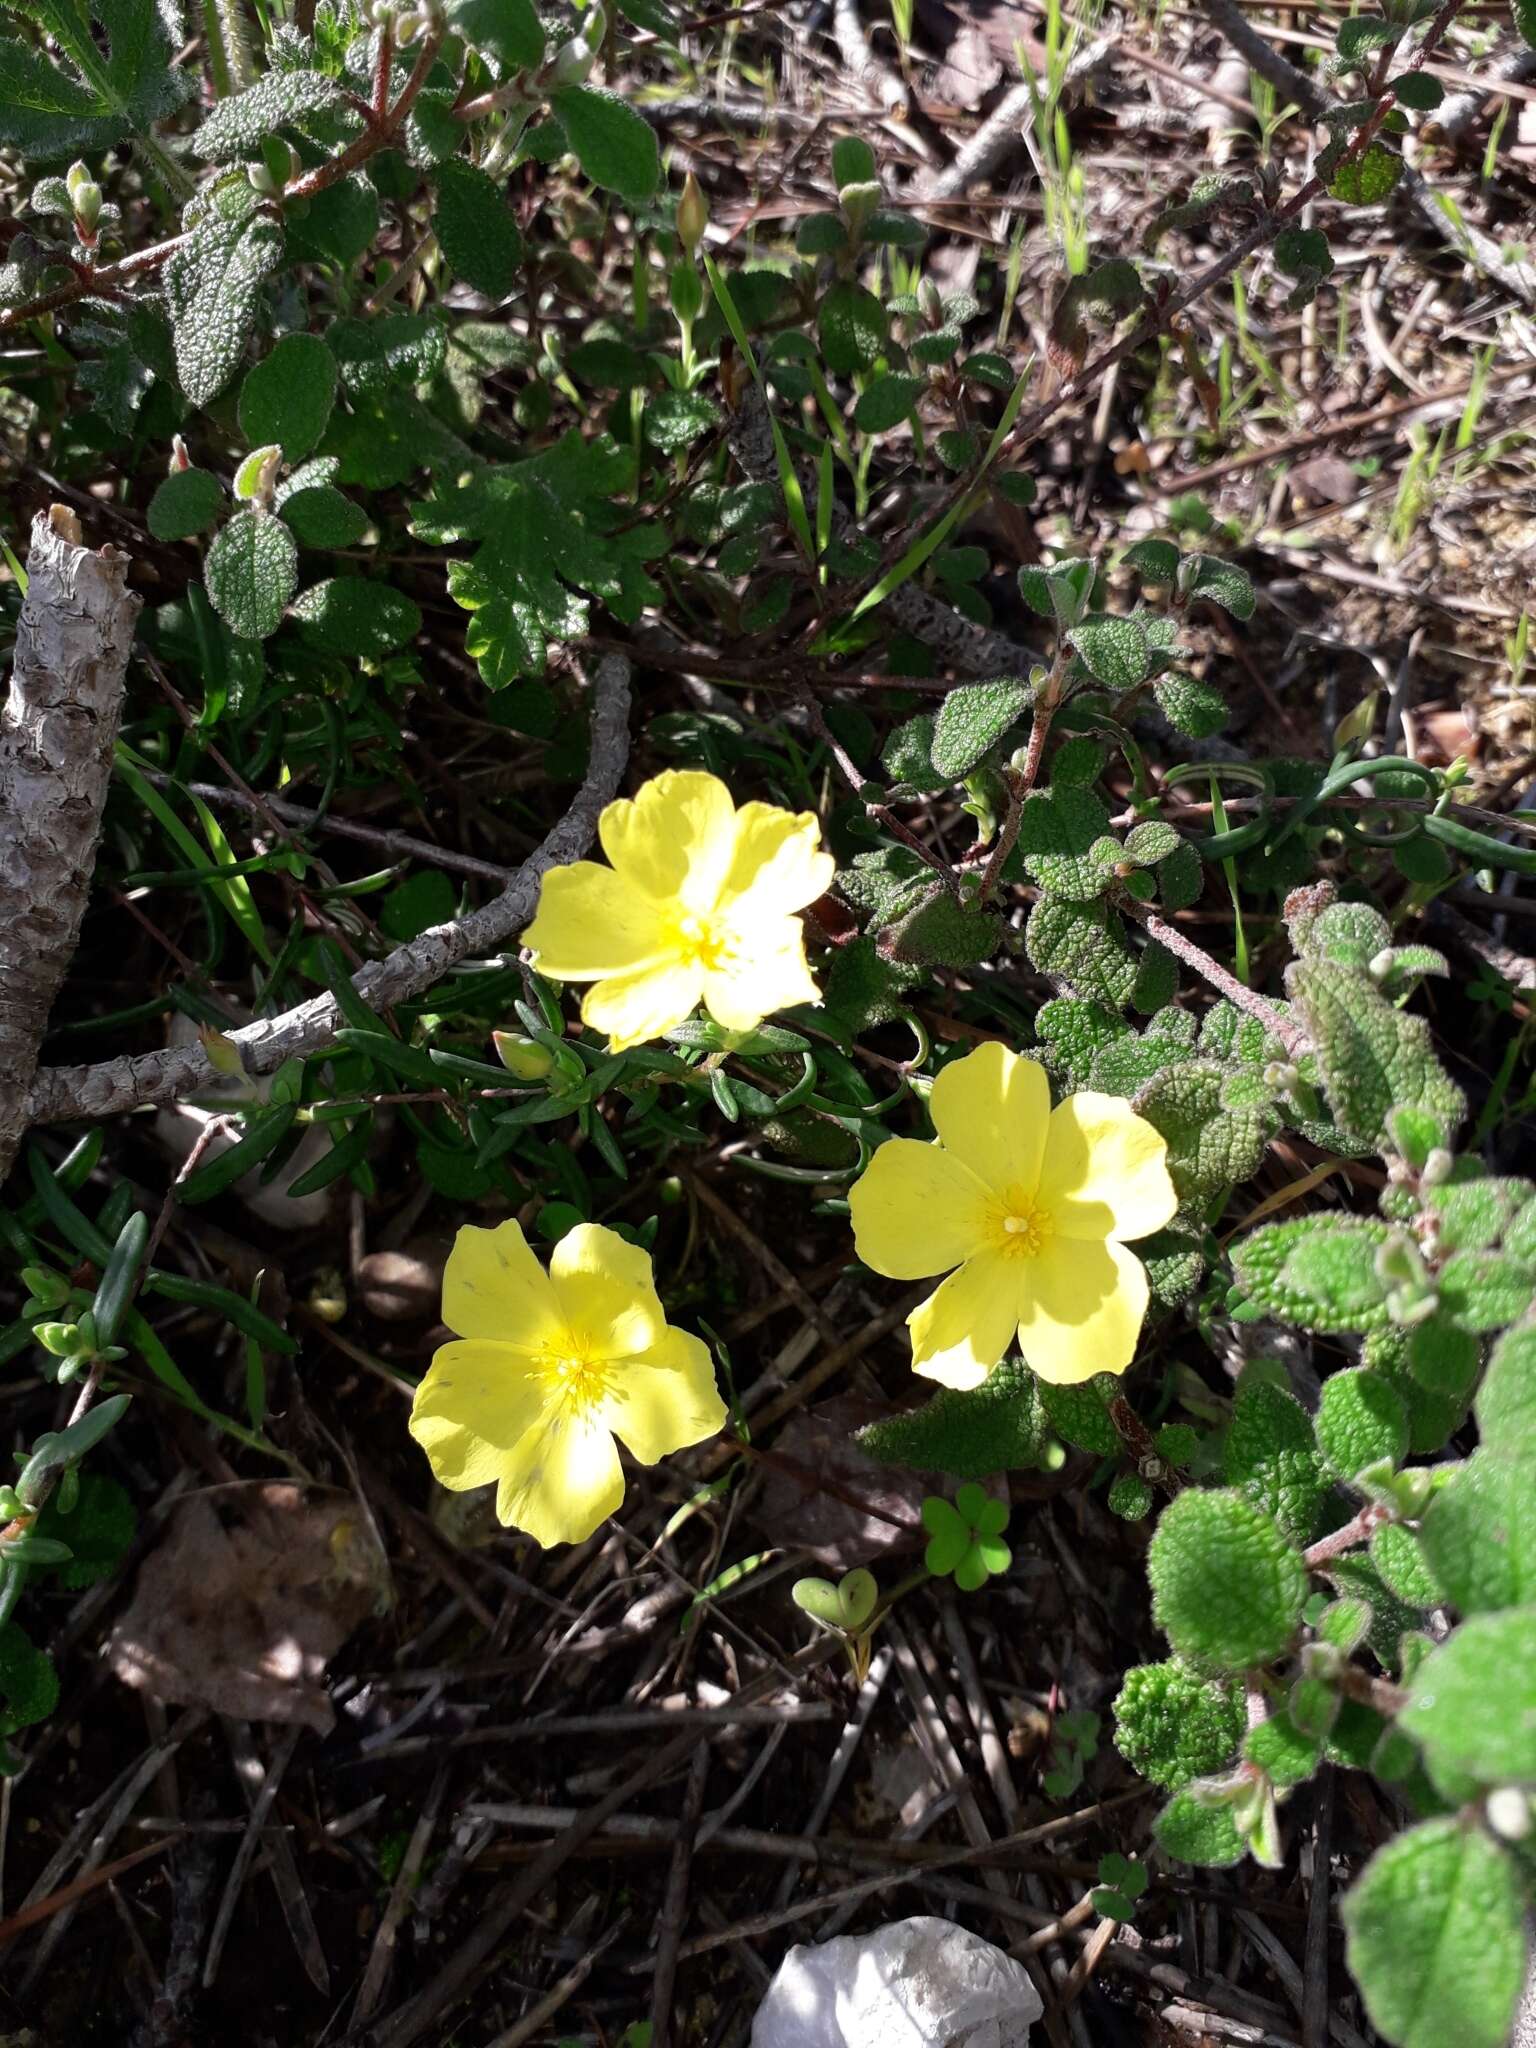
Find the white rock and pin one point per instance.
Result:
(921, 1983)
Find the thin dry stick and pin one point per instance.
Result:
(179, 1071)
(57, 733)
(675, 1905)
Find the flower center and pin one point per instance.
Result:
(703, 939)
(571, 1378)
(1023, 1228)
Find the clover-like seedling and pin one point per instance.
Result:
(845, 1609)
(965, 1539)
(1121, 1884)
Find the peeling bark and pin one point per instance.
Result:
(57, 733)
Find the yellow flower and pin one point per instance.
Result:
(698, 904)
(549, 1369)
(1031, 1206)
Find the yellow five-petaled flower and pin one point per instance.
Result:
(548, 1369)
(698, 905)
(1031, 1206)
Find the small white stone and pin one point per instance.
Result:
(920, 1983)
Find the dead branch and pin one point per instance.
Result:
(56, 738)
(179, 1071)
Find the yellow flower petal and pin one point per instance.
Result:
(1105, 1172)
(1083, 1308)
(961, 1331)
(494, 1287)
(476, 1400)
(607, 1293)
(562, 1479)
(768, 973)
(675, 839)
(916, 1211)
(666, 1400)
(591, 922)
(991, 1110)
(778, 864)
(632, 1008)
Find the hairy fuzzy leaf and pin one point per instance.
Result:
(213, 283)
(238, 126)
(475, 228)
(1227, 1587)
(250, 572)
(615, 147)
(287, 397)
(1318, 1272)
(972, 719)
(997, 1428)
(93, 95)
(188, 502)
(1372, 1058)
(349, 615)
(1172, 1724)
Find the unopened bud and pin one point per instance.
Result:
(692, 214)
(77, 175)
(572, 62)
(282, 161)
(1437, 1168)
(408, 27)
(87, 202)
(180, 459)
(524, 1058)
(262, 180)
(223, 1053)
(930, 302)
(257, 474)
(1509, 1812)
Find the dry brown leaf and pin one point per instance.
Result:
(822, 1493)
(247, 1599)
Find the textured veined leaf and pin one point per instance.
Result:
(96, 95)
(319, 516)
(613, 145)
(241, 124)
(212, 284)
(400, 348)
(250, 572)
(475, 229)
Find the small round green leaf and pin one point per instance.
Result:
(187, 502)
(1227, 1588)
(1472, 1706)
(853, 327)
(1360, 1421)
(614, 146)
(475, 229)
(349, 615)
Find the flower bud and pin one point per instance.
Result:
(930, 302)
(571, 64)
(524, 1058)
(1437, 1168)
(1509, 1812)
(408, 27)
(257, 474)
(262, 180)
(692, 214)
(76, 176)
(87, 202)
(180, 459)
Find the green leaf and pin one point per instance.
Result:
(1479, 1533)
(1070, 1034)
(349, 615)
(105, 86)
(1435, 1933)
(1329, 1274)
(1172, 1724)
(1190, 704)
(1472, 1704)
(395, 349)
(1399, 1556)
(1270, 1456)
(820, 234)
(1416, 89)
(1083, 945)
(972, 720)
(939, 932)
(238, 126)
(1227, 1588)
(1213, 1145)
(337, 226)
(1482, 1291)
(674, 420)
(98, 1529)
(427, 899)
(615, 147)
(853, 162)
(886, 403)
(1079, 1413)
(287, 398)
(320, 517)
(1443, 1357)
(29, 1685)
(1220, 583)
(1192, 1832)
(509, 30)
(213, 284)
(1367, 181)
(1065, 844)
(853, 328)
(1371, 1057)
(188, 502)
(1157, 560)
(475, 229)
(250, 572)
(1506, 1401)
(1363, 34)
(1114, 650)
(1361, 1421)
(997, 1428)
(1524, 12)
(1286, 1754)
(540, 528)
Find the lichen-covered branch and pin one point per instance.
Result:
(180, 1071)
(56, 738)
